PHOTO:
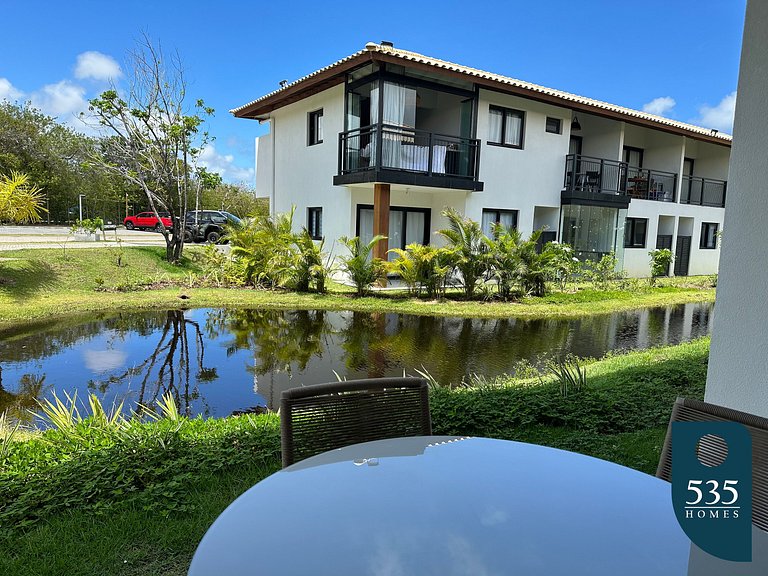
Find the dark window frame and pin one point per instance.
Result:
(427, 220)
(559, 125)
(312, 127)
(630, 225)
(704, 234)
(504, 112)
(315, 226)
(498, 212)
(626, 149)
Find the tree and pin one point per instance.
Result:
(154, 139)
(20, 201)
(468, 243)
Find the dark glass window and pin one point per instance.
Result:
(505, 127)
(507, 218)
(708, 235)
(315, 127)
(554, 125)
(315, 223)
(634, 232)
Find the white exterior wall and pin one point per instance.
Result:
(520, 179)
(528, 180)
(738, 364)
(304, 174)
(702, 261)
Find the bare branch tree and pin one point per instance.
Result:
(153, 136)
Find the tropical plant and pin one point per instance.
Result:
(310, 270)
(565, 266)
(264, 245)
(536, 265)
(20, 201)
(362, 270)
(88, 225)
(660, 261)
(469, 248)
(503, 258)
(604, 272)
(424, 269)
(569, 374)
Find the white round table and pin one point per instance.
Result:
(447, 506)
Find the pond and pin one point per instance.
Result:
(218, 361)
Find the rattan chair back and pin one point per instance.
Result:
(315, 419)
(712, 450)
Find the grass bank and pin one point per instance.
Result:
(93, 500)
(53, 282)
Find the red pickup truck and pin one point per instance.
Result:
(148, 221)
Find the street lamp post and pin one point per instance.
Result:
(80, 202)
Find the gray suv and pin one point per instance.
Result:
(207, 225)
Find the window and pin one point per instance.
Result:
(634, 232)
(633, 156)
(708, 235)
(315, 223)
(505, 127)
(315, 127)
(507, 218)
(554, 125)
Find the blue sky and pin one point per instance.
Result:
(679, 58)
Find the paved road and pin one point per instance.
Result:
(15, 237)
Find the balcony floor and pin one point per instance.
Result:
(408, 179)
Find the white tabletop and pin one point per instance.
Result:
(447, 506)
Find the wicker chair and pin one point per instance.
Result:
(686, 410)
(318, 418)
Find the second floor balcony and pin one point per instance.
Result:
(703, 191)
(399, 155)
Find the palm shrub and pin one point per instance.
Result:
(536, 266)
(424, 269)
(503, 258)
(565, 266)
(265, 247)
(363, 270)
(469, 248)
(310, 269)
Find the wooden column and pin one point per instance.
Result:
(381, 221)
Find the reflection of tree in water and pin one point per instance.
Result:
(169, 367)
(20, 405)
(278, 338)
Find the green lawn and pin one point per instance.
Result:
(138, 502)
(51, 282)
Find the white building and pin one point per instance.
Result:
(382, 141)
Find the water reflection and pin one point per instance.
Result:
(216, 361)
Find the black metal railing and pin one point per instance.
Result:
(651, 184)
(703, 191)
(589, 174)
(387, 147)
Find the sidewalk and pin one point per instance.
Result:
(19, 237)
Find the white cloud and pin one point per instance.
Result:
(719, 117)
(224, 165)
(8, 91)
(659, 106)
(97, 66)
(61, 100)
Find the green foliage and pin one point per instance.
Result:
(310, 271)
(660, 260)
(102, 460)
(565, 266)
(362, 270)
(424, 269)
(604, 272)
(569, 373)
(88, 225)
(20, 201)
(469, 248)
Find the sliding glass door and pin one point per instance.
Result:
(406, 226)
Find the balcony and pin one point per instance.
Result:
(397, 155)
(651, 184)
(595, 182)
(703, 191)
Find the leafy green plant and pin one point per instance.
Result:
(565, 266)
(88, 225)
(311, 270)
(362, 270)
(604, 272)
(569, 374)
(661, 258)
(264, 246)
(424, 269)
(8, 431)
(469, 249)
